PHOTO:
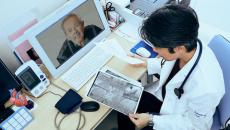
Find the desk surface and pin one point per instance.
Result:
(45, 112)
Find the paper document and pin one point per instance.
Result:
(129, 31)
(113, 47)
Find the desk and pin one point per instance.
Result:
(45, 113)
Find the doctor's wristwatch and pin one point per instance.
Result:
(150, 123)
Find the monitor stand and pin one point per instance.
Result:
(5, 112)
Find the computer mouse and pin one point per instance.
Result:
(90, 106)
(143, 52)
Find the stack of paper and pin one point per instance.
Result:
(112, 46)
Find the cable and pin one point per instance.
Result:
(58, 87)
(55, 121)
(57, 125)
(50, 92)
(79, 121)
(27, 93)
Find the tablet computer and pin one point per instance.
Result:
(116, 91)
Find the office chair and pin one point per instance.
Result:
(221, 48)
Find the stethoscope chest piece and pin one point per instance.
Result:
(178, 92)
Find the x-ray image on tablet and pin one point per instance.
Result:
(116, 93)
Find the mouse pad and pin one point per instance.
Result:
(146, 46)
(116, 92)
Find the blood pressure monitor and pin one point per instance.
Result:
(33, 79)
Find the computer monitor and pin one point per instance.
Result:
(66, 35)
(7, 81)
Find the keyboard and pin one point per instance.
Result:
(83, 70)
(18, 120)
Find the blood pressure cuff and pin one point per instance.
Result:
(69, 102)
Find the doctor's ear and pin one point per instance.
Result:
(174, 50)
(179, 49)
(171, 50)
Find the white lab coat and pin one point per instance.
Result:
(202, 93)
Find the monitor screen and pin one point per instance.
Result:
(7, 82)
(69, 33)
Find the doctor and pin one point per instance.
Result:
(191, 83)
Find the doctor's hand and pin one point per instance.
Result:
(140, 120)
(144, 64)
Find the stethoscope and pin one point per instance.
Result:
(179, 91)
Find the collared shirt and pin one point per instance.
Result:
(175, 69)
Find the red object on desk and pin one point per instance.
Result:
(17, 99)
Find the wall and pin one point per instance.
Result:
(16, 13)
(214, 18)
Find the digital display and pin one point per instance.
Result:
(71, 33)
(29, 78)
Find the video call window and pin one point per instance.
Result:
(71, 33)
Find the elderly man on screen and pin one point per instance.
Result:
(77, 36)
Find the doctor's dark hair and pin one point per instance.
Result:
(171, 26)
